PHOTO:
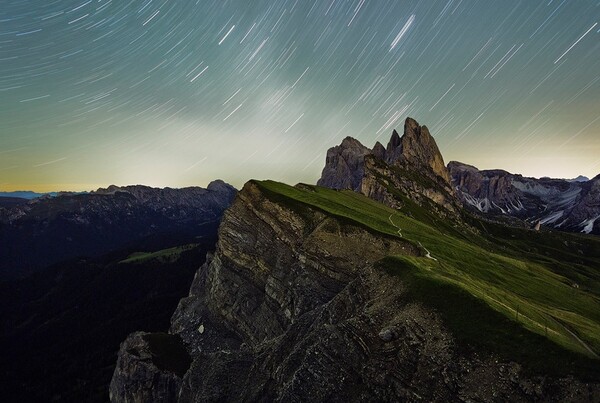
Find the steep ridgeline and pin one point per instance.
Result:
(410, 167)
(314, 295)
(571, 205)
(48, 230)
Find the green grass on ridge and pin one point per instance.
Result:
(532, 281)
(164, 255)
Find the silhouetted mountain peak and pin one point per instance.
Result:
(416, 147)
(344, 165)
(394, 142)
(351, 142)
(219, 185)
(579, 178)
(379, 150)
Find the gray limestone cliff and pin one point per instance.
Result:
(344, 165)
(410, 167)
(572, 205)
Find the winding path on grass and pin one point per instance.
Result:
(572, 334)
(583, 343)
(395, 226)
(427, 253)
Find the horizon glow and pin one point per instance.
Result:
(178, 94)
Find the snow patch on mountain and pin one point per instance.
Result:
(588, 225)
(559, 203)
(552, 218)
(482, 205)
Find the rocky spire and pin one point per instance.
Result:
(414, 151)
(379, 150)
(419, 148)
(344, 165)
(393, 143)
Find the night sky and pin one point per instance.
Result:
(177, 93)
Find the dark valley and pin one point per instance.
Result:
(80, 272)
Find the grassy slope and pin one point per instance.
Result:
(524, 279)
(165, 255)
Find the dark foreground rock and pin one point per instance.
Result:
(154, 364)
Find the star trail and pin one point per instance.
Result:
(177, 93)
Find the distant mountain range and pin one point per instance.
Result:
(48, 230)
(571, 205)
(26, 194)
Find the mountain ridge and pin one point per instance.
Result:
(557, 203)
(377, 284)
(412, 166)
(300, 302)
(48, 230)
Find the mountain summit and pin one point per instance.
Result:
(344, 165)
(418, 148)
(411, 166)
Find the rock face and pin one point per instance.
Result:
(410, 167)
(152, 379)
(48, 230)
(293, 307)
(562, 204)
(418, 149)
(344, 166)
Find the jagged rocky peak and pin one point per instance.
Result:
(344, 165)
(379, 150)
(416, 147)
(411, 164)
(393, 145)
